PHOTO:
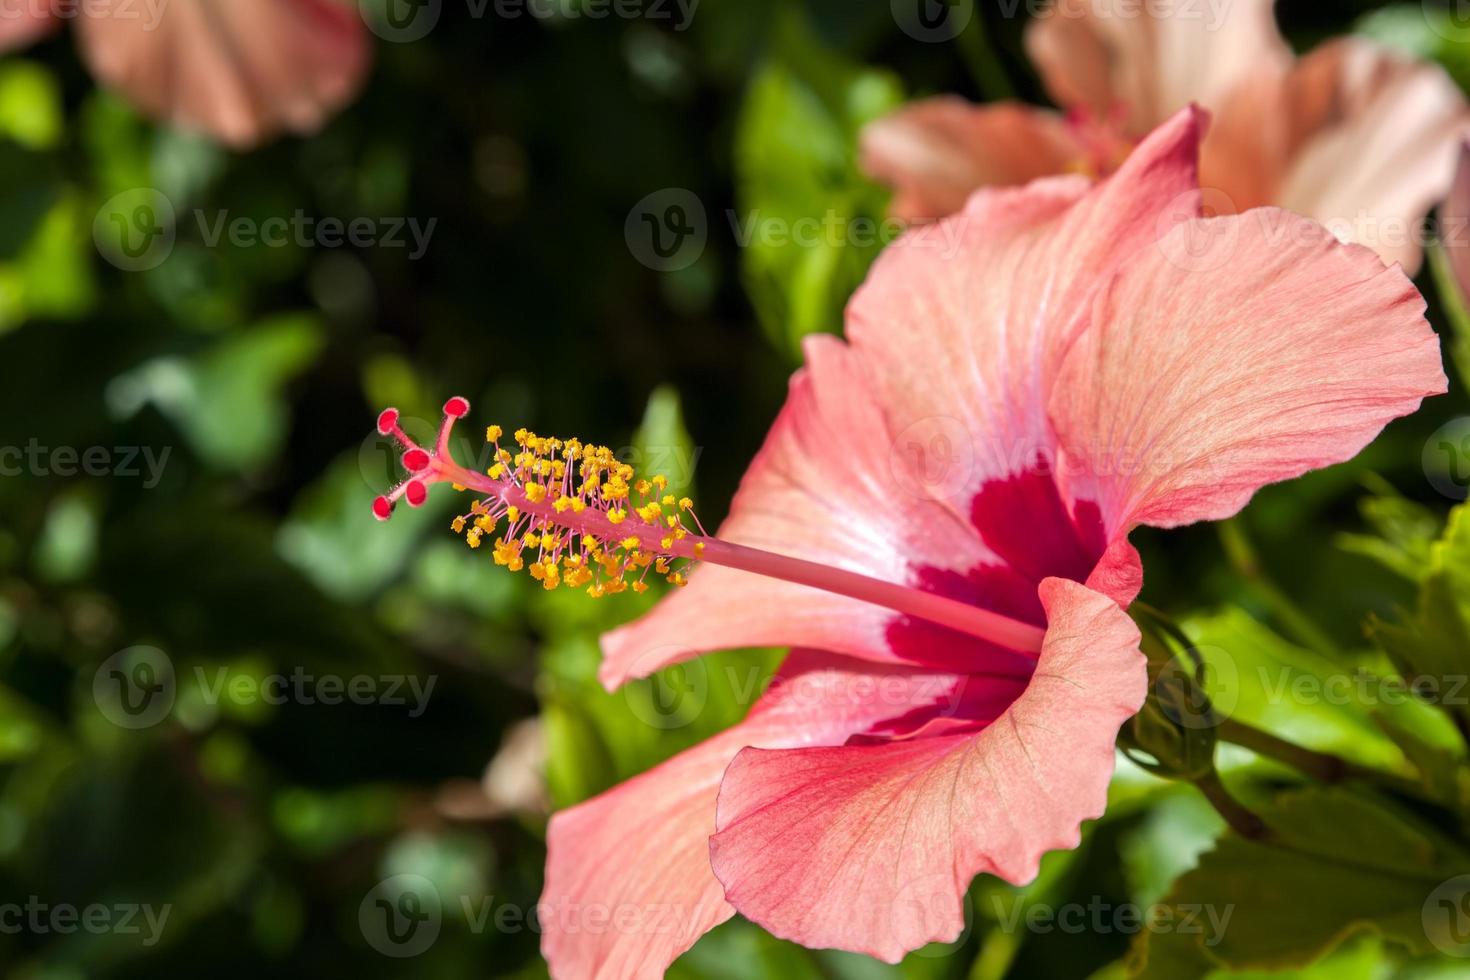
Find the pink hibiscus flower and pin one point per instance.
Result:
(938, 524)
(1353, 135)
(240, 70)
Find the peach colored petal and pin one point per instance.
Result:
(628, 880)
(23, 22)
(879, 460)
(240, 70)
(968, 319)
(1241, 351)
(871, 848)
(1153, 60)
(1373, 143)
(824, 488)
(935, 152)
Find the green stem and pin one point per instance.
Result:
(982, 59)
(1242, 821)
(1321, 766)
(1247, 563)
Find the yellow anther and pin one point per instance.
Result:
(535, 493)
(640, 586)
(493, 432)
(496, 472)
(631, 543)
(662, 483)
(617, 515)
(513, 512)
(650, 513)
(668, 500)
(457, 524)
(560, 504)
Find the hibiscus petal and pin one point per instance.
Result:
(1152, 61)
(1375, 136)
(937, 151)
(966, 320)
(885, 448)
(24, 21)
(628, 880)
(240, 70)
(822, 488)
(1242, 351)
(871, 848)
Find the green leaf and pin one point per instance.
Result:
(229, 401)
(663, 445)
(1337, 865)
(1432, 647)
(1403, 531)
(332, 536)
(1256, 677)
(30, 105)
(809, 223)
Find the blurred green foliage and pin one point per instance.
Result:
(230, 390)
